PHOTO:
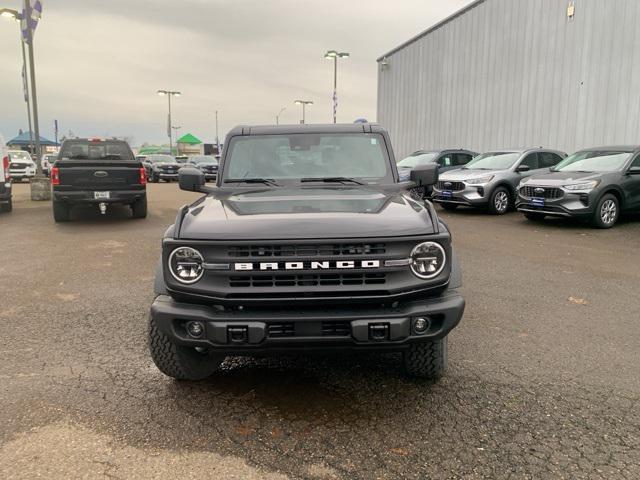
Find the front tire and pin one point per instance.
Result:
(61, 212)
(500, 201)
(426, 360)
(7, 207)
(177, 361)
(607, 212)
(139, 208)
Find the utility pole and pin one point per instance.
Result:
(169, 94)
(34, 96)
(27, 95)
(278, 115)
(304, 104)
(217, 140)
(335, 55)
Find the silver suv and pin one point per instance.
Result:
(490, 179)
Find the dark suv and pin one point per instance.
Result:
(595, 184)
(308, 242)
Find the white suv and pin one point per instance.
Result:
(21, 165)
(5, 178)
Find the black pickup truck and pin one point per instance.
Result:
(308, 242)
(97, 172)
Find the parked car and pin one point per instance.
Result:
(97, 172)
(445, 159)
(161, 167)
(47, 162)
(6, 204)
(21, 166)
(182, 158)
(490, 179)
(207, 164)
(321, 255)
(597, 184)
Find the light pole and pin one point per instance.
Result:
(304, 104)
(334, 55)
(217, 140)
(10, 13)
(169, 94)
(278, 115)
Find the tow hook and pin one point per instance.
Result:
(103, 208)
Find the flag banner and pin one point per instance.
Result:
(29, 23)
(25, 85)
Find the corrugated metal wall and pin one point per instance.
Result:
(516, 73)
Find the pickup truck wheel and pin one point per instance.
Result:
(449, 206)
(176, 361)
(426, 360)
(534, 217)
(7, 207)
(61, 211)
(500, 201)
(607, 212)
(139, 208)
(154, 178)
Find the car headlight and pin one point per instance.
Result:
(479, 181)
(582, 187)
(428, 260)
(186, 265)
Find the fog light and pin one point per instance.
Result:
(195, 329)
(421, 324)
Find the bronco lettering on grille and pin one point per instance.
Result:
(316, 265)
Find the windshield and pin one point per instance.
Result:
(600, 161)
(100, 150)
(493, 161)
(161, 159)
(203, 159)
(19, 156)
(308, 156)
(416, 159)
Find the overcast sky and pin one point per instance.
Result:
(99, 63)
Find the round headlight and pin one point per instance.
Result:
(186, 265)
(428, 260)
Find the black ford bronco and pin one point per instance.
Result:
(307, 242)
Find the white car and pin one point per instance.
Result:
(5, 178)
(47, 161)
(21, 166)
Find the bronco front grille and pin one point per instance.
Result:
(324, 279)
(306, 250)
(541, 192)
(453, 186)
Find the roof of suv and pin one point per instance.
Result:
(306, 128)
(620, 148)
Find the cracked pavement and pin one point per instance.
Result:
(542, 382)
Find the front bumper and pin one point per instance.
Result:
(324, 328)
(576, 205)
(22, 173)
(87, 196)
(167, 176)
(471, 196)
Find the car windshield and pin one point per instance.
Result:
(19, 156)
(322, 157)
(95, 150)
(161, 159)
(203, 159)
(593, 161)
(493, 161)
(416, 159)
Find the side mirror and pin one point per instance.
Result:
(424, 175)
(634, 171)
(523, 168)
(191, 179)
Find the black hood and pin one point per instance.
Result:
(305, 213)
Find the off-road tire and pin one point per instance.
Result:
(177, 361)
(139, 208)
(499, 193)
(598, 220)
(534, 217)
(7, 207)
(450, 207)
(426, 360)
(61, 211)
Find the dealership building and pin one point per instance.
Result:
(517, 73)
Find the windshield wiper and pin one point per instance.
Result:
(266, 181)
(332, 180)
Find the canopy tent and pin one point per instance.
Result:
(189, 140)
(153, 149)
(23, 140)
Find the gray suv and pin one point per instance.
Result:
(595, 184)
(490, 179)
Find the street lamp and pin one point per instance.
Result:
(169, 94)
(334, 55)
(278, 115)
(304, 104)
(14, 14)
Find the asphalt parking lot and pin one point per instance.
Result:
(543, 379)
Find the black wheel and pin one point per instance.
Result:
(154, 178)
(426, 360)
(449, 206)
(139, 208)
(500, 201)
(61, 211)
(534, 217)
(6, 207)
(176, 361)
(607, 212)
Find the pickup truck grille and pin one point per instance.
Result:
(325, 279)
(549, 193)
(307, 250)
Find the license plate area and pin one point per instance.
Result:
(101, 195)
(447, 194)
